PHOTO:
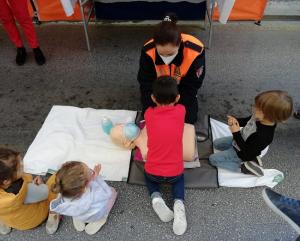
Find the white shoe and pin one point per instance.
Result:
(52, 223)
(162, 210)
(94, 227)
(78, 225)
(179, 224)
(4, 229)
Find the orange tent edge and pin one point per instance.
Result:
(245, 10)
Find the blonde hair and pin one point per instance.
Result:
(71, 180)
(9, 164)
(276, 105)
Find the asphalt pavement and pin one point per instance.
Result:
(244, 60)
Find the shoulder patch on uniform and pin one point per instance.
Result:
(149, 46)
(193, 46)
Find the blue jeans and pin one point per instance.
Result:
(227, 158)
(177, 183)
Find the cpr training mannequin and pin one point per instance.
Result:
(129, 136)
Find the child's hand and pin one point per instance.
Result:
(97, 169)
(38, 180)
(234, 125)
(231, 120)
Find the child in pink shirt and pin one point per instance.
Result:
(164, 163)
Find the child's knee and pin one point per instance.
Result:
(217, 144)
(222, 143)
(212, 159)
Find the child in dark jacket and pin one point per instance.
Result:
(242, 149)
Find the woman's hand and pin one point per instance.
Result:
(97, 169)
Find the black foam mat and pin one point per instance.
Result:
(205, 176)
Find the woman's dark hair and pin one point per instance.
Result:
(8, 164)
(165, 90)
(167, 31)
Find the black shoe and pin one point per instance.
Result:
(252, 168)
(39, 56)
(21, 56)
(287, 208)
(258, 161)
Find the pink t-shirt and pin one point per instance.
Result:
(165, 130)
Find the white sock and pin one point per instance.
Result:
(94, 227)
(179, 224)
(4, 229)
(78, 225)
(52, 223)
(162, 210)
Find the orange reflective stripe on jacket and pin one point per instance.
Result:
(192, 49)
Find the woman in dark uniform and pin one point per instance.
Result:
(175, 54)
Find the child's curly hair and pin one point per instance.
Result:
(9, 163)
(71, 180)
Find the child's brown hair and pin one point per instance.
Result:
(276, 105)
(9, 164)
(165, 89)
(71, 180)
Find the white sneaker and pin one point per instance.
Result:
(52, 223)
(78, 225)
(94, 227)
(4, 229)
(162, 210)
(179, 224)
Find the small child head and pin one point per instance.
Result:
(273, 105)
(72, 178)
(11, 167)
(165, 91)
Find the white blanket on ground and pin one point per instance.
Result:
(71, 133)
(233, 179)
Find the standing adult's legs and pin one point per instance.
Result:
(8, 21)
(20, 11)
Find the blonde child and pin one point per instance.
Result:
(83, 195)
(24, 201)
(244, 146)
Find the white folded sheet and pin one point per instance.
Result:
(71, 133)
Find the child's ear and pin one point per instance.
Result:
(19, 157)
(153, 98)
(5, 183)
(177, 98)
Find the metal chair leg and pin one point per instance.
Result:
(210, 18)
(35, 17)
(85, 25)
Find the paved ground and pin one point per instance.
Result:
(245, 59)
(283, 8)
